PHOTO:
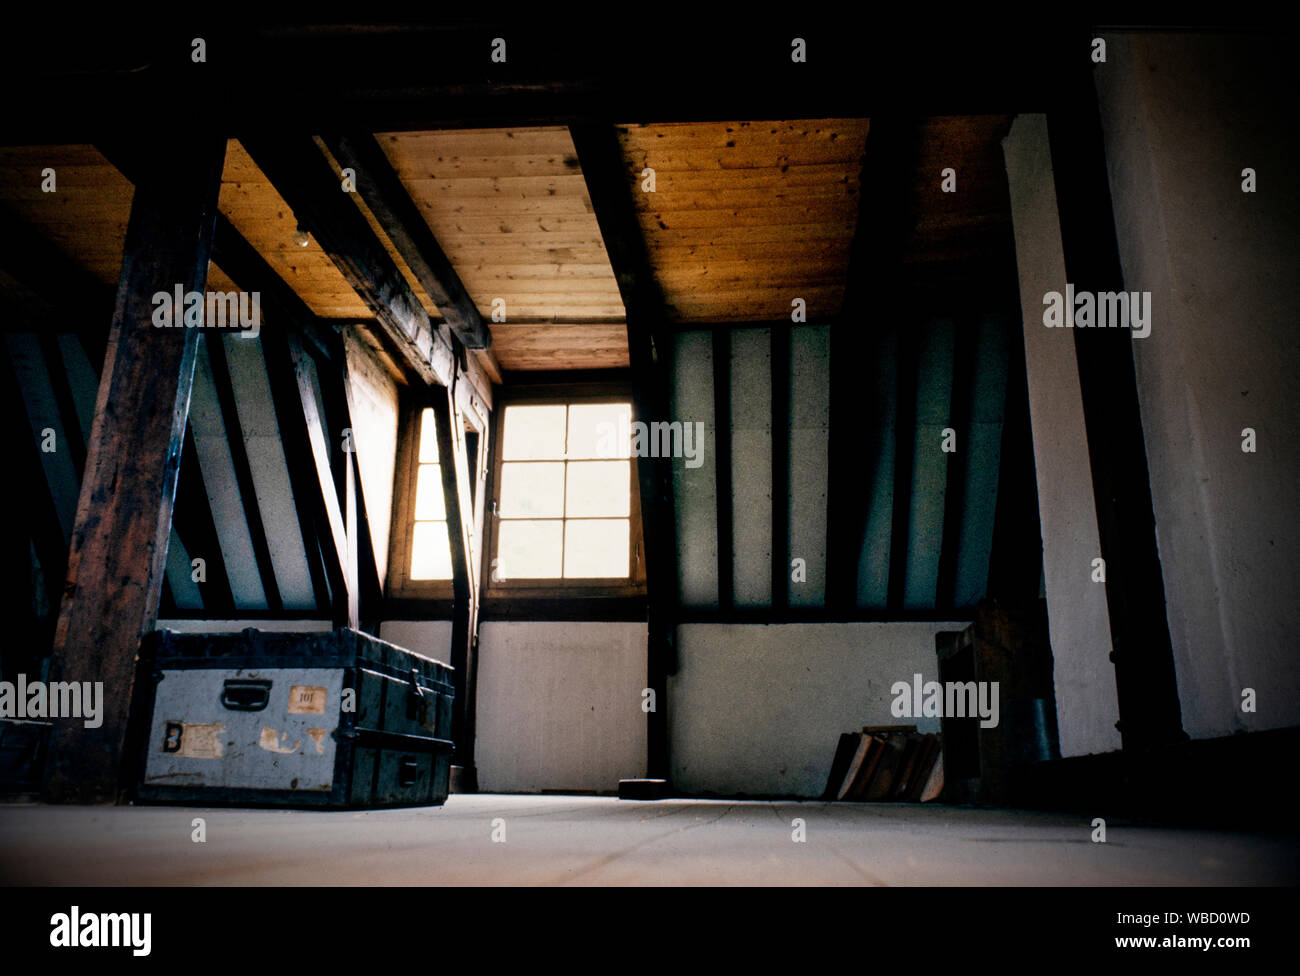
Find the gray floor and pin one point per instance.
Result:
(598, 841)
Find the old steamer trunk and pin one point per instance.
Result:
(260, 718)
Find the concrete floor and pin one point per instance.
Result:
(553, 840)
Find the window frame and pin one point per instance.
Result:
(634, 584)
(406, 475)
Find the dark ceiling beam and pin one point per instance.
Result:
(441, 76)
(383, 192)
(650, 351)
(300, 173)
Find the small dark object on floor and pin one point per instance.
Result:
(642, 789)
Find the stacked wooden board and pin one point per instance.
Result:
(885, 763)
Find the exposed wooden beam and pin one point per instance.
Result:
(118, 552)
(650, 349)
(465, 583)
(872, 305)
(302, 175)
(363, 560)
(1146, 681)
(440, 76)
(401, 220)
(334, 539)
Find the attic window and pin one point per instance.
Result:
(564, 493)
(430, 545)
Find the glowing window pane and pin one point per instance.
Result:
(598, 488)
(529, 550)
(595, 548)
(534, 432)
(429, 503)
(533, 490)
(430, 552)
(428, 438)
(600, 430)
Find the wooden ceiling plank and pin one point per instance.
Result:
(410, 234)
(302, 177)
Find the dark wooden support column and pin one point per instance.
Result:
(960, 410)
(1146, 682)
(873, 303)
(382, 190)
(650, 349)
(465, 580)
(723, 490)
(119, 544)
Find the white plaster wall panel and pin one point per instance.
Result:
(270, 472)
(374, 422)
(929, 479)
(809, 459)
(82, 378)
(983, 442)
(751, 465)
(559, 705)
(758, 709)
(432, 638)
(878, 495)
(180, 576)
(218, 473)
(695, 492)
(1183, 115)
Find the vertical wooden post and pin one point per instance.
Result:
(460, 521)
(119, 543)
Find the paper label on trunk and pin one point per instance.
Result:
(306, 700)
